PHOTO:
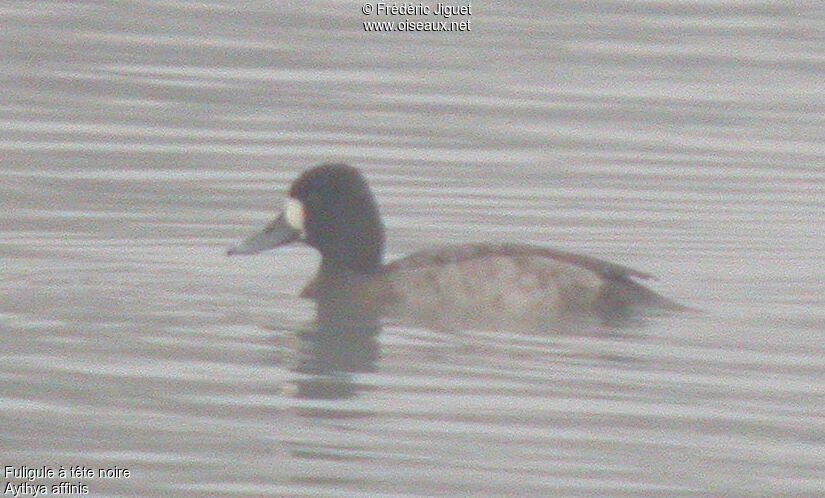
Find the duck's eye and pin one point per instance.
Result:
(294, 213)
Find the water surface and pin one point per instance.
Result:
(139, 140)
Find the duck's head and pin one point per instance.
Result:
(331, 208)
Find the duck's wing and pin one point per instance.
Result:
(609, 286)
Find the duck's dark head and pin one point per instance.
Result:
(332, 209)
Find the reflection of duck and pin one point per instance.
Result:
(332, 209)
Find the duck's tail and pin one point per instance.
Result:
(625, 293)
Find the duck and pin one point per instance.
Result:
(332, 209)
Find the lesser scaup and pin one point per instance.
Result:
(331, 208)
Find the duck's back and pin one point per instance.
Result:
(490, 283)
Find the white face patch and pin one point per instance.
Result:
(294, 214)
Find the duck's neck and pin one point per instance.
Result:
(355, 262)
(355, 245)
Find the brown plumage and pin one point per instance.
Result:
(332, 209)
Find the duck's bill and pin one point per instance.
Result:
(276, 234)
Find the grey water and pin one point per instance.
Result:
(138, 140)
